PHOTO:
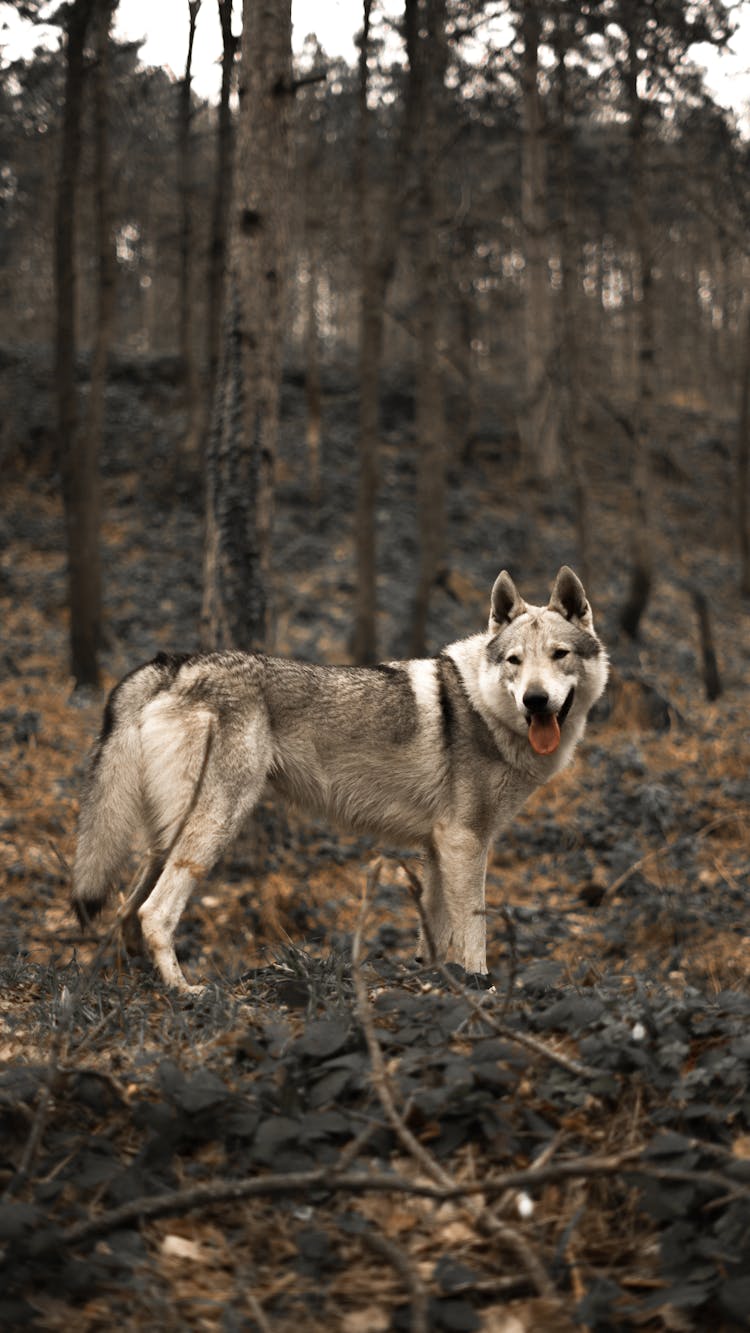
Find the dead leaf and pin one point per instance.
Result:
(179, 1247)
(372, 1320)
(456, 1233)
(535, 1316)
(495, 1319)
(399, 1220)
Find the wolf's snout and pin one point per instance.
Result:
(536, 701)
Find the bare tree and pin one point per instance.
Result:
(312, 369)
(538, 424)
(743, 453)
(641, 554)
(428, 73)
(78, 449)
(221, 198)
(242, 448)
(568, 354)
(379, 235)
(373, 279)
(187, 275)
(105, 250)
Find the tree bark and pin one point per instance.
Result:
(187, 275)
(429, 72)
(106, 278)
(466, 325)
(372, 298)
(568, 357)
(77, 449)
(242, 451)
(538, 426)
(312, 373)
(641, 555)
(378, 247)
(743, 471)
(308, 165)
(711, 677)
(221, 201)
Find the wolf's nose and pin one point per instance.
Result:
(535, 701)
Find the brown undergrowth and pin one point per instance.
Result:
(617, 923)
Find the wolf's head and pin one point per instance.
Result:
(544, 666)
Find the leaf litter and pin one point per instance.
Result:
(229, 1163)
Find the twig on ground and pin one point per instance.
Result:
(38, 1124)
(380, 1079)
(483, 1219)
(256, 1310)
(507, 1201)
(408, 1274)
(329, 1181)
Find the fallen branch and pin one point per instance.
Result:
(328, 1180)
(483, 1219)
(380, 1079)
(408, 1274)
(256, 1310)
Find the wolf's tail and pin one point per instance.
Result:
(112, 804)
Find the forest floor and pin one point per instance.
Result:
(322, 1145)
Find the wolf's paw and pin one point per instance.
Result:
(187, 992)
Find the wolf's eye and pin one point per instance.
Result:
(559, 653)
(513, 660)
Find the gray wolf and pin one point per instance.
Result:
(437, 753)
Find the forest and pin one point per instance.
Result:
(297, 371)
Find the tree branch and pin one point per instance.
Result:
(330, 1181)
(483, 1219)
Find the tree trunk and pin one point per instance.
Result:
(221, 201)
(538, 426)
(466, 322)
(641, 556)
(187, 276)
(105, 295)
(743, 453)
(429, 71)
(312, 375)
(364, 638)
(242, 451)
(711, 677)
(378, 248)
(77, 449)
(568, 358)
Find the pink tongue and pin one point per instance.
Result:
(544, 734)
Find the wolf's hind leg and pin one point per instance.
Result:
(194, 854)
(159, 916)
(132, 935)
(211, 826)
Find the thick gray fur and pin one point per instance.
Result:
(433, 753)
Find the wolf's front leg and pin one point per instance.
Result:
(454, 897)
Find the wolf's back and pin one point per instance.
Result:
(112, 800)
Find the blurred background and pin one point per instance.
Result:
(512, 321)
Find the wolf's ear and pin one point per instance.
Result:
(505, 603)
(569, 598)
